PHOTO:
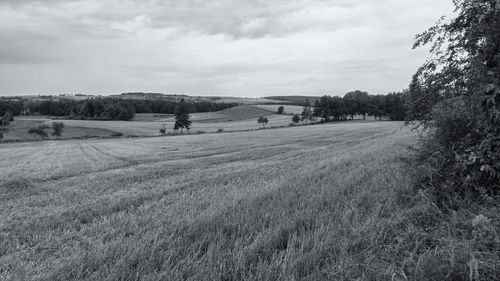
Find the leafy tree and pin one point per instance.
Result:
(306, 111)
(7, 118)
(296, 118)
(57, 128)
(281, 110)
(163, 129)
(40, 131)
(457, 95)
(262, 120)
(358, 102)
(182, 116)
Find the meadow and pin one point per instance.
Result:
(313, 203)
(239, 118)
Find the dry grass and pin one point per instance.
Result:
(324, 202)
(200, 123)
(272, 204)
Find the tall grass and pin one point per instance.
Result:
(331, 202)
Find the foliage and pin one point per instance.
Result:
(357, 102)
(6, 118)
(117, 134)
(296, 118)
(3, 130)
(456, 95)
(14, 106)
(182, 116)
(281, 110)
(40, 131)
(57, 128)
(335, 108)
(262, 120)
(306, 111)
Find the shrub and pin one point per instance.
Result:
(117, 134)
(40, 131)
(220, 130)
(455, 95)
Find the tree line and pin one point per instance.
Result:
(328, 108)
(104, 108)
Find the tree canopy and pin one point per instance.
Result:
(182, 116)
(456, 94)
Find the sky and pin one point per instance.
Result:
(251, 48)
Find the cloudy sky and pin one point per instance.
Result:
(247, 48)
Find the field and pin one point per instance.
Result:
(287, 109)
(313, 203)
(239, 118)
(18, 130)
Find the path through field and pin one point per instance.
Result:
(267, 204)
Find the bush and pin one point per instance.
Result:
(117, 134)
(40, 131)
(456, 98)
(220, 130)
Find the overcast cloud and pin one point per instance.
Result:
(218, 47)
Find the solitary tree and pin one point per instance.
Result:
(163, 129)
(182, 116)
(281, 110)
(57, 128)
(40, 131)
(6, 118)
(307, 111)
(296, 118)
(262, 120)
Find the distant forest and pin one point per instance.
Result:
(103, 108)
(326, 107)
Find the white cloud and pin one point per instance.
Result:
(223, 47)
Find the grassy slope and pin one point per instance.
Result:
(231, 119)
(288, 109)
(312, 203)
(18, 130)
(294, 99)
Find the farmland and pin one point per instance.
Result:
(313, 202)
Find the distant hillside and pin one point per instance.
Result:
(297, 100)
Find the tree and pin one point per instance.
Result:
(296, 118)
(456, 94)
(7, 118)
(306, 111)
(40, 131)
(262, 120)
(163, 129)
(358, 102)
(281, 110)
(3, 130)
(57, 128)
(182, 116)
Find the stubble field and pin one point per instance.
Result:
(311, 203)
